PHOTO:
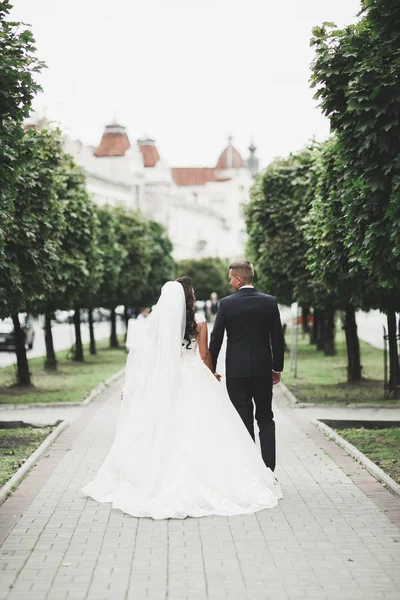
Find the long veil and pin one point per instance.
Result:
(153, 361)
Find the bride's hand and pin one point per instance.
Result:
(217, 376)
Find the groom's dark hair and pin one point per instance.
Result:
(245, 269)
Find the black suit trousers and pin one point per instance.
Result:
(242, 391)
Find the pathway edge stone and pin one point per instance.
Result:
(31, 461)
(96, 391)
(371, 467)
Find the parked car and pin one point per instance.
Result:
(84, 316)
(7, 336)
(61, 316)
(101, 314)
(120, 311)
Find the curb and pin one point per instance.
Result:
(92, 395)
(350, 405)
(288, 394)
(295, 403)
(371, 467)
(31, 461)
(102, 386)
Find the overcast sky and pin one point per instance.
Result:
(185, 72)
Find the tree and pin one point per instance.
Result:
(112, 256)
(281, 199)
(355, 72)
(161, 263)
(82, 267)
(328, 256)
(18, 66)
(132, 236)
(79, 268)
(33, 237)
(208, 275)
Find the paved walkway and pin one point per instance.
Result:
(327, 539)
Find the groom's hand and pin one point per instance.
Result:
(276, 377)
(217, 376)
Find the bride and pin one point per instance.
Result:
(180, 450)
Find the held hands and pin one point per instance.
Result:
(217, 376)
(276, 377)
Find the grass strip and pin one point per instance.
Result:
(323, 379)
(71, 382)
(16, 445)
(382, 446)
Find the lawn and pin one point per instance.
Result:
(382, 446)
(323, 379)
(71, 382)
(16, 445)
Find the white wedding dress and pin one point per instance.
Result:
(181, 450)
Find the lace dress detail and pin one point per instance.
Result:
(191, 456)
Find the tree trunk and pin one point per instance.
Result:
(23, 375)
(329, 337)
(321, 330)
(398, 362)
(393, 356)
(352, 346)
(91, 333)
(305, 311)
(314, 331)
(51, 360)
(78, 338)
(126, 319)
(113, 335)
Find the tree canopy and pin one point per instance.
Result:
(34, 233)
(356, 73)
(280, 200)
(208, 275)
(18, 68)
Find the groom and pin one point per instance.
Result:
(254, 355)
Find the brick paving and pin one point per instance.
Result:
(334, 535)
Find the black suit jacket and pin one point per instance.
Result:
(255, 337)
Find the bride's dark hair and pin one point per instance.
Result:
(191, 325)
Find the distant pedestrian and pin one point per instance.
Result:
(212, 307)
(143, 313)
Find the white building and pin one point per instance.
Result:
(201, 208)
(114, 170)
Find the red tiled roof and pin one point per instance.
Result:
(193, 175)
(150, 154)
(114, 142)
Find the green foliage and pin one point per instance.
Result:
(323, 379)
(33, 236)
(382, 446)
(18, 66)
(161, 263)
(132, 235)
(78, 272)
(280, 200)
(356, 73)
(208, 275)
(16, 445)
(112, 257)
(71, 383)
(328, 257)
